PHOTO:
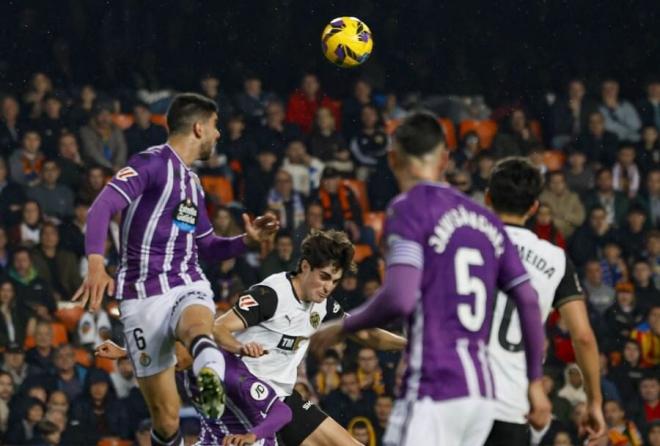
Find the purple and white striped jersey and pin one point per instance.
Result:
(160, 227)
(465, 256)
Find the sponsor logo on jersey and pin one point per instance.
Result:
(145, 359)
(336, 307)
(307, 405)
(290, 343)
(258, 391)
(126, 173)
(246, 302)
(315, 319)
(185, 215)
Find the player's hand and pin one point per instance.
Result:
(594, 424)
(109, 350)
(540, 409)
(239, 440)
(252, 349)
(95, 284)
(261, 229)
(329, 334)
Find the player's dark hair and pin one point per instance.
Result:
(514, 185)
(186, 108)
(419, 134)
(323, 248)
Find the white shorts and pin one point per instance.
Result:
(459, 422)
(150, 325)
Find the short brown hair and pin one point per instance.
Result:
(186, 108)
(323, 248)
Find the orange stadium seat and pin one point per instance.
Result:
(122, 120)
(159, 119)
(69, 313)
(554, 159)
(219, 188)
(391, 125)
(486, 130)
(105, 364)
(535, 128)
(83, 357)
(359, 188)
(450, 133)
(376, 221)
(113, 441)
(362, 252)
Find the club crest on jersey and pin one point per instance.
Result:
(258, 391)
(246, 302)
(126, 173)
(185, 215)
(145, 360)
(315, 319)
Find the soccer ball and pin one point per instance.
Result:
(346, 42)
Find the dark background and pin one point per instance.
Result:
(504, 49)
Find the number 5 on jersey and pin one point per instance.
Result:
(471, 316)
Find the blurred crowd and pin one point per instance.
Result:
(316, 161)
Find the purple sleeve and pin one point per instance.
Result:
(108, 202)
(396, 298)
(216, 249)
(277, 417)
(531, 325)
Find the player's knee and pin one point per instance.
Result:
(165, 419)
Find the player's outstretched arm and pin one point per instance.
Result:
(223, 328)
(380, 339)
(574, 314)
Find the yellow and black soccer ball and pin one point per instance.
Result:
(347, 42)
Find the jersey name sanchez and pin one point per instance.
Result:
(555, 281)
(277, 319)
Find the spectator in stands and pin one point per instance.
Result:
(620, 116)
(614, 202)
(5, 258)
(570, 114)
(462, 181)
(352, 107)
(632, 236)
(92, 185)
(57, 266)
(276, 132)
(224, 224)
(325, 143)
(281, 258)
(484, 164)
(51, 124)
(81, 112)
(25, 163)
(622, 432)
(646, 293)
(252, 101)
(55, 200)
(349, 400)
(341, 209)
(392, 109)
(70, 162)
(579, 175)
(23, 430)
(287, 204)
(98, 410)
(362, 430)
(28, 231)
(598, 143)
(72, 231)
(13, 317)
(305, 170)
(382, 412)
(369, 373)
(313, 221)
(69, 377)
(647, 335)
(123, 378)
(39, 87)
(649, 391)
(567, 210)
(41, 356)
(305, 101)
(13, 362)
(369, 144)
(561, 407)
(648, 150)
(627, 375)
(652, 254)
(654, 434)
(11, 197)
(515, 137)
(621, 318)
(143, 133)
(573, 389)
(600, 295)
(33, 291)
(103, 143)
(464, 156)
(545, 228)
(260, 177)
(47, 433)
(58, 402)
(614, 268)
(10, 127)
(328, 378)
(650, 198)
(625, 173)
(209, 85)
(649, 108)
(6, 393)
(562, 438)
(237, 148)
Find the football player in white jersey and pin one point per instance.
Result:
(280, 314)
(513, 191)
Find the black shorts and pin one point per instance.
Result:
(508, 434)
(307, 416)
